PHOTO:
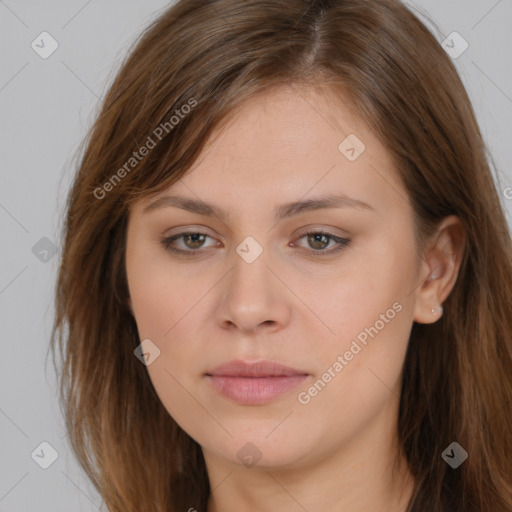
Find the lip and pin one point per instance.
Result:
(255, 383)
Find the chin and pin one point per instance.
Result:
(258, 450)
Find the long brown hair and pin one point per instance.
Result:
(212, 55)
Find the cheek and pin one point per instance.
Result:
(377, 283)
(165, 313)
(170, 319)
(176, 392)
(370, 314)
(161, 294)
(165, 306)
(359, 375)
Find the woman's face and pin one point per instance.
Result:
(254, 286)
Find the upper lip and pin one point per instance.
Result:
(239, 368)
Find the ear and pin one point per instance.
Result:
(439, 269)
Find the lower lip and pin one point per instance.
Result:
(255, 390)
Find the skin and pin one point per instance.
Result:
(337, 451)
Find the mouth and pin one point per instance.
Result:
(255, 383)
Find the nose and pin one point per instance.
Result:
(253, 297)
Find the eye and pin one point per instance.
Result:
(194, 243)
(193, 240)
(319, 240)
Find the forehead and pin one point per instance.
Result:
(288, 144)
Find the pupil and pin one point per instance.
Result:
(194, 237)
(317, 238)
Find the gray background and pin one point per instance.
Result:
(46, 107)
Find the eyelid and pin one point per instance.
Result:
(203, 230)
(167, 240)
(327, 230)
(340, 242)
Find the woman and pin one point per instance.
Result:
(286, 278)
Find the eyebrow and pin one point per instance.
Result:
(280, 212)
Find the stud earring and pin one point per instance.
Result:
(439, 310)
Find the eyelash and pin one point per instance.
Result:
(342, 243)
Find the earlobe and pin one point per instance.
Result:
(429, 308)
(438, 312)
(441, 265)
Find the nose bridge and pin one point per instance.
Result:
(252, 293)
(251, 276)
